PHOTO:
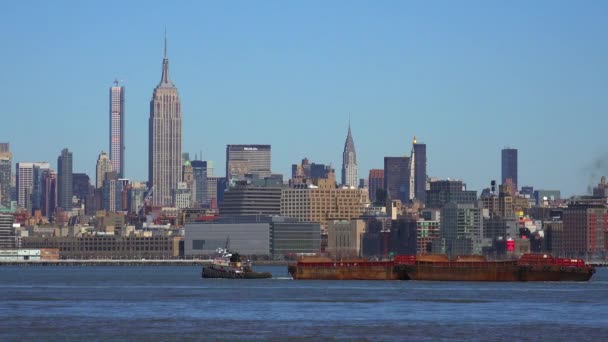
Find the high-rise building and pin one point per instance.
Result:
(450, 190)
(49, 193)
(509, 165)
(199, 171)
(461, 227)
(417, 172)
(81, 187)
(396, 178)
(6, 160)
(349, 161)
(117, 128)
(104, 165)
(244, 161)
(25, 182)
(64, 180)
(584, 229)
(246, 199)
(7, 232)
(376, 182)
(182, 196)
(165, 139)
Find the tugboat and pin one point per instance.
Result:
(231, 266)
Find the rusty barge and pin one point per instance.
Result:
(530, 267)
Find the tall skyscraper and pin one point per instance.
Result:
(349, 162)
(165, 139)
(397, 178)
(199, 171)
(25, 181)
(117, 128)
(375, 181)
(509, 165)
(247, 161)
(49, 193)
(417, 172)
(104, 165)
(6, 166)
(64, 180)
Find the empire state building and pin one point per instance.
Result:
(165, 139)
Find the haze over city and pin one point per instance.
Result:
(466, 78)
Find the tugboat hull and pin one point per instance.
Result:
(209, 272)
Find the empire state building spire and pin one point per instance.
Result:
(349, 161)
(165, 139)
(165, 81)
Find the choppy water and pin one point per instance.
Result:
(174, 303)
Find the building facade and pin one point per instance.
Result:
(247, 160)
(6, 167)
(117, 128)
(376, 182)
(344, 238)
(462, 228)
(417, 174)
(397, 178)
(199, 171)
(7, 232)
(323, 203)
(165, 139)
(104, 165)
(349, 162)
(243, 199)
(25, 182)
(64, 180)
(442, 192)
(509, 165)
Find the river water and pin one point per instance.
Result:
(174, 303)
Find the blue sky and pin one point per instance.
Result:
(465, 77)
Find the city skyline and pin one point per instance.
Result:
(563, 160)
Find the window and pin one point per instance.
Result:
(198, 244)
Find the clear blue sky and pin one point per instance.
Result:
(465, 77)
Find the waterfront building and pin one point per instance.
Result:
(289, 237)
(165, 139)
(397, 178)
(509, 165)
(6, 166)
(117, 128)
(104, 165)
(417, 172)
(442, 192)
(247, 160)
(323, 202)
(344, 238)
(349, 162)
(109, 246)
(7, 232)
(256, 235)
(25, 182)
(375, 182)
(249, 199)
(64, 180)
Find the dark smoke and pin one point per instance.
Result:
(595, 171)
